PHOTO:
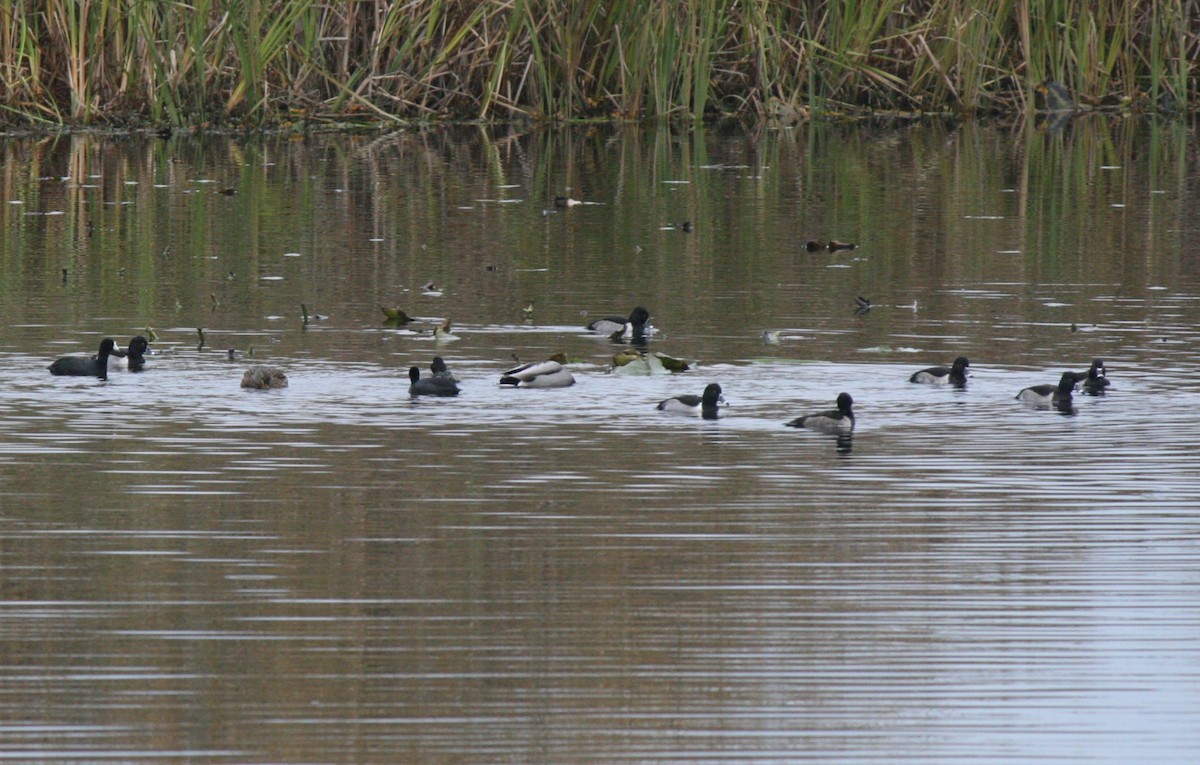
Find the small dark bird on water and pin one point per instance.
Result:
(955, 375)
(84, 366)
(438, 385)
(838, 420)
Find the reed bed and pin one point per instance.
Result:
(262, 62)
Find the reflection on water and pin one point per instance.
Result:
(337, 572)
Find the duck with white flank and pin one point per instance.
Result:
(840, 420)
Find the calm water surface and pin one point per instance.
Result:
(337, 573)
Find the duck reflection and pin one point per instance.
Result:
(1065, 407)
(845, 443)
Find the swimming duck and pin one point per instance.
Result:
(262, 377)
(540, 374)
(1095, 380)
(833, 245)
(1045, 395)
(395, 315)
(442, 333)
(133, 358)
(955, 375)
(837, 420)
(634, 326)
(439, 369)
(704, 405)
(430, 386)
(84, 366)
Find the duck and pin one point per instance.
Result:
(1046, 395)
(1095, 380)
(84, 366)
(833, 245)
(1054, 97)
(431, 386)
(840, 420)
(135, 354)
(954, 375)
(262, 377)
(634, 326)
(395, 315)
(442, 333)
(133, 358)
(540, 374)
(704, 405)
(439, 369)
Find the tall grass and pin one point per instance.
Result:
(252, 62)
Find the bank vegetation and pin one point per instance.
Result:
(273, 62)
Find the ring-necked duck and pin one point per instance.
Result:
(132, 358)
(1044, 395)
(955, 375)
(84, 366)
(1095, 380)
(439, 369)
(540, 374)
(262, 377)
(634, 326)
(837, 420)
(704, 405)
(430, 386)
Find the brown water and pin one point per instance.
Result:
(337, 573)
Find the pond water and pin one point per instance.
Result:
(334, 572)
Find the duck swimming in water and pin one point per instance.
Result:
(540, 374)
(83, 366)
(634, 326)
(132, 358)
(954, 375)
(438, 385)
(262, 377)
(838, 420)
(1095, 380)
(1046, 395)
(704, 405)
